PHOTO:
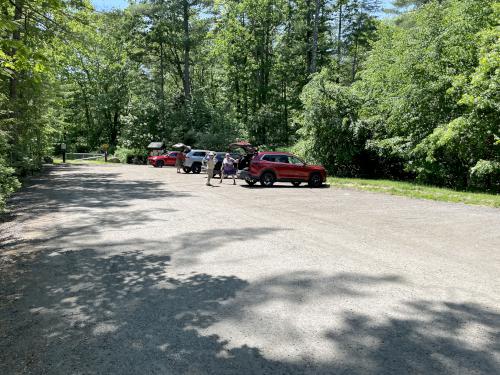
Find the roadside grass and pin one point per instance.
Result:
(76, 161)
(412, 190)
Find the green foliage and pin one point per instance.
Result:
(331, 131)
(8, 183)
(131, 156)
(412, 97)
(485, 175)
(430, 92)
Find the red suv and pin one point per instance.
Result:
(166, 159)
(271, 167)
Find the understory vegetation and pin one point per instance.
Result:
(416, 190)
(414, 95)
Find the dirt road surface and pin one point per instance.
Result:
(135, 270)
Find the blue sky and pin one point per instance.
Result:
(110, 4)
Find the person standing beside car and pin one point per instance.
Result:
(228, 168)
(179, 161)
(210, 167)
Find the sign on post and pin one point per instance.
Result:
(105, 148)
(63, 149)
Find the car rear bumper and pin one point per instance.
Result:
(245, 175)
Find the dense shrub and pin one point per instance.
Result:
(8, 183)
(485, 175)
(331, 132)
(430, 91)
(131, 156)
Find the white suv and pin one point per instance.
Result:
(194, 160)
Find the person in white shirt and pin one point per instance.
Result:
(210, 167)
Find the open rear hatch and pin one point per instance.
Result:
(247, 147)
(248, 153)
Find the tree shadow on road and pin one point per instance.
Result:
(285, 185)
(81, 312)
(433, 340)
(67, 188)
(129, 312)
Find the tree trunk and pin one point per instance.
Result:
(285, 105)
(308, 37)
(186, 74)
(355, 59)
(162, 86)
(339, 35)
(314, 51)
(16, 36)
(238, 101)
(88, 116)
(115, 128)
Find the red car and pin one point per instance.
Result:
(271, 167)
(166, 159)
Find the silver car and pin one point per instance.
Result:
(194, 161)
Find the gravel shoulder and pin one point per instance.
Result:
(116, 269)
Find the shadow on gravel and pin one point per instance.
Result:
(285, 185)
(82, 313)
(432, 342)
(68, 188)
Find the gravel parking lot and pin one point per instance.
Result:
(113, 269)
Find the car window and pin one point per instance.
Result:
(271, 158)
(282, 159)
(295, 160)
(199, 153)
(174, 154)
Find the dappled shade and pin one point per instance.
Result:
(131, 313)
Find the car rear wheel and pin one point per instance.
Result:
(296, 183)
(196, 168)
(267, 179)
(186, 169)
(315, 181)
(250, 181)
(159, 163)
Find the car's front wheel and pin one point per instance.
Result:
(267, 179)
(315, 180)
(196, 168)
(186, 169)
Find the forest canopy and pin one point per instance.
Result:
(411, 96)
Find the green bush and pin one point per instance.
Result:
(26, 166)
(8, 183)
(485, 175)
(331, 133)
(131, 155)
